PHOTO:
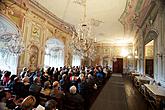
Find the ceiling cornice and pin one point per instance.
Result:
(60, 24)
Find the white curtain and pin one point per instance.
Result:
(8, 62)
(54, 56)
(76, 60)
(54, 59)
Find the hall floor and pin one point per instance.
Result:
(119, 94)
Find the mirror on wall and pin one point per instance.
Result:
(149, 59)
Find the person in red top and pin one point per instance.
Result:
(6, 77)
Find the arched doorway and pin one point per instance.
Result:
(8, 33)
(150, 53)
(54, 53)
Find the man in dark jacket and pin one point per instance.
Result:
(73, 101)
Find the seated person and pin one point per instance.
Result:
(50, 105)
(35, 89)
(46, 90)
(6, 78)
(3, 100)
(27, 104)
(45, 93)
(73, 101)
(7, 101)
(18, 87)
(57, 94)
(26, 83)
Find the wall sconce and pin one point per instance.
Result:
(141, 59)
(159, 55)
(129, 57)
(151, 22)
(136, 57)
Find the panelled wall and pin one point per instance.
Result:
(108, 53)
(147, 24)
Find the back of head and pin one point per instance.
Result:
(55, 84)
(28, 102)
(36, 80)
(24, 69)
(63, 76)
(81, 76)
(25, 80)
(46, 84)
(89, 76)
(12, 77)
(73, 89)
(2, 96)
(16, 79)
(7, 73)
(50, 105)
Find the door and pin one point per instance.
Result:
(118, 65)
(149, 67)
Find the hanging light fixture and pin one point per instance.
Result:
(11, 42)
(82, 43)
(15, 45)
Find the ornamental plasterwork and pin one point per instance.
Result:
(32, 16)
(36, 32)
(38, 19)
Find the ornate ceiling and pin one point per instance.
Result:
(107, 12)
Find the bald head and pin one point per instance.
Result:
(73, 89)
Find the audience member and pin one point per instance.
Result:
(3, 100)
(73, 101)
(27, 104)
(50, 105)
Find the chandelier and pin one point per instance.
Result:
(13, 43)
(82, 44)
(10, 42)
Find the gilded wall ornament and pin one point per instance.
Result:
(36, 32)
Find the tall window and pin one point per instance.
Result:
(76, 60)
(54, 53)
(7, 61)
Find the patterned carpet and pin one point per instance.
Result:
(112, 96)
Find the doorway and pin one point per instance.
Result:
(118, 65)
(149, 67)
(149, 59)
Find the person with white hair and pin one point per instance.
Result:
(73, 89)
(73, 101)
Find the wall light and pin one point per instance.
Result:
(159, 54)
(129, 57)
(124, 52)
(136, 57)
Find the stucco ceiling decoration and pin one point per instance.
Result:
(106, 12)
